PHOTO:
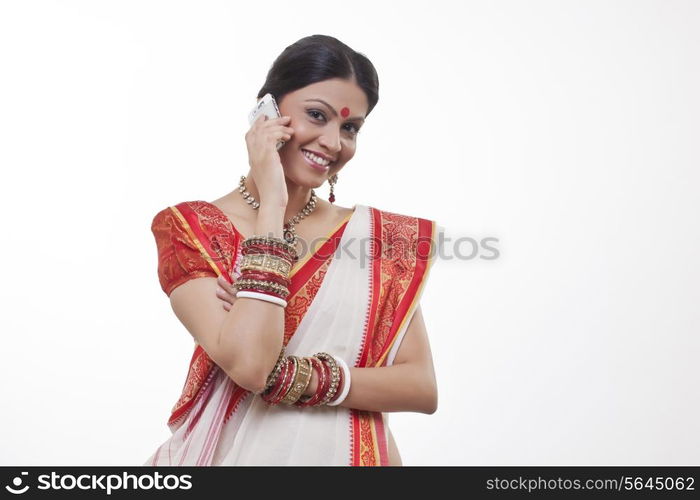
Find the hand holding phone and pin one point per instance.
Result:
(266, 106)
(268, 130)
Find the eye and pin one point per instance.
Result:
(312, 111)
(354, 129)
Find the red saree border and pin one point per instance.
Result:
(369, 442)
(380, 436)
(410, 300)
(200, 364)
(199, 370)
(375, 281)
(304, 270)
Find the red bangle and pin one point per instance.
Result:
(274, 391)
(288, 382)
(323, 390)
(265, 276)
(266, 248)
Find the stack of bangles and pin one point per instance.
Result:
(265, 265)
(291, 375)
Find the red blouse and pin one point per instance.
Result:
(179, 256)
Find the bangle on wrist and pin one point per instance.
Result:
(346, 382)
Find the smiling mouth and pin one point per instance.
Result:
(317, 166)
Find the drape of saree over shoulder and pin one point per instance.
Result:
(353, 297)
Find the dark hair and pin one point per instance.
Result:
(316, 58)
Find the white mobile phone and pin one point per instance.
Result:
(266, 106)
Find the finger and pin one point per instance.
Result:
(272, 122)
(283, 129)
(276, 120)
(226, 292)
(278, 132)
(224, 295)
(227, 306)
(228, 287)
(223, 283)
(283, 133)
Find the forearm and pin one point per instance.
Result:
(252, 331)
(401, 387)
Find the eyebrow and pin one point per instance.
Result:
(334, 111)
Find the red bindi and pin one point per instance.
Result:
(344, 112)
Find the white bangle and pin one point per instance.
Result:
(262, 296)
(346, 382)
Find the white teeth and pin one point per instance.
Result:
(315, 158)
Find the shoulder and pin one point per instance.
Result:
(187, 209)
(339, 213)
(168, 225)
(175, 223)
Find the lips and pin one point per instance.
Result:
(315, 165)
(320, 155)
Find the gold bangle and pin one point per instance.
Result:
(301, 381)
(266, 262)
(295, 370)
(265, 258)
(335, 376)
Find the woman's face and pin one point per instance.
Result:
(327, 128)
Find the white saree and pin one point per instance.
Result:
(355, 302)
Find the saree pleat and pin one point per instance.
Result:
(353, 297)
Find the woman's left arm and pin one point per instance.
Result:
(407, 385)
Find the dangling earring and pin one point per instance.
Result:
(332, 180)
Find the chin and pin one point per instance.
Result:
(303, 175)
(307, 179)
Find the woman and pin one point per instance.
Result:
(260, 390)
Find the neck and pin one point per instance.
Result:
(299, 196)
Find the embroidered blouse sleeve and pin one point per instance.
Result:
(179, 259)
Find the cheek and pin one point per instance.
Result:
(301, 129)
(349, 147)
(345, 156)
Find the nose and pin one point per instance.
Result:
(330, 141)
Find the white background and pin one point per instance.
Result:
(567, 130)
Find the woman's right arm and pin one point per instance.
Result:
(253, 330)
(244, 341)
